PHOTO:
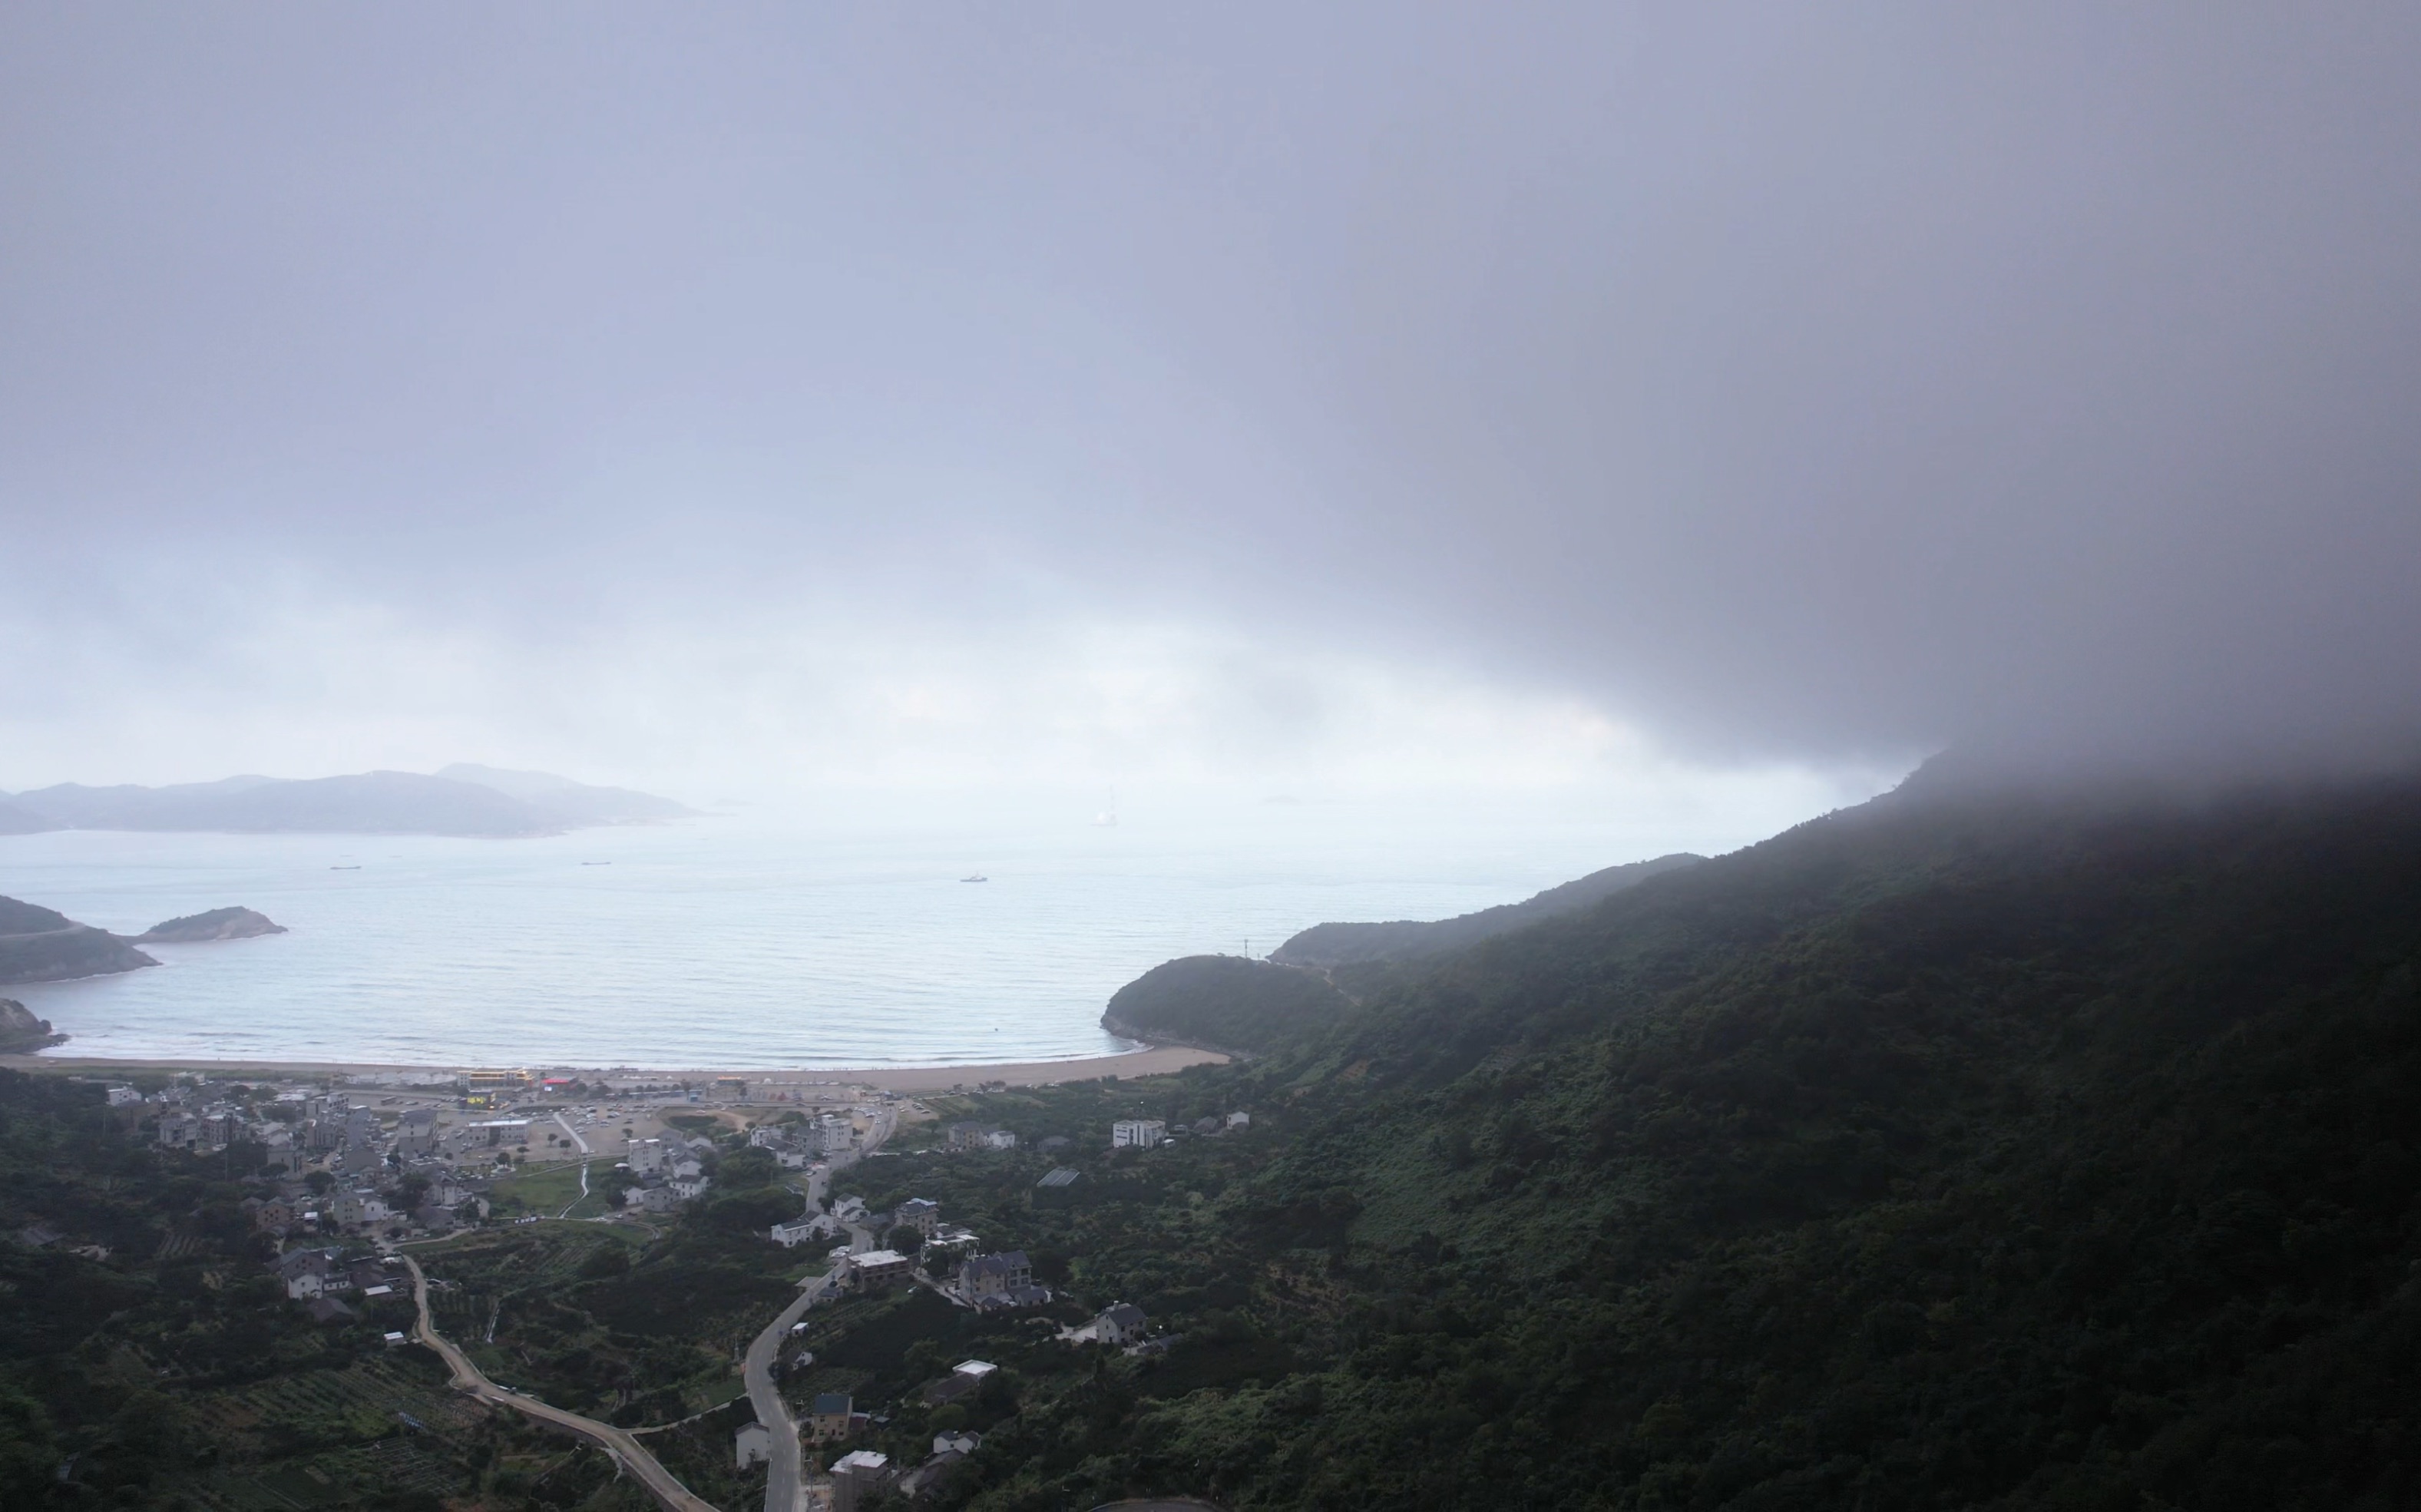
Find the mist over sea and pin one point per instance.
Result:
(745, 942)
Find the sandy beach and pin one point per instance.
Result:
(1155, 1061)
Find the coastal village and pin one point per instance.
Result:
(350, 1178)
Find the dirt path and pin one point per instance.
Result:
(627, 1452)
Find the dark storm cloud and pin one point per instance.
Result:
(1797, 380)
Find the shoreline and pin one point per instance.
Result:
(1155, 1060)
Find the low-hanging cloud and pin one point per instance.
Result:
(1787, 383)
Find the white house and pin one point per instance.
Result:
(800, 1230)
(856, 1475)
(752, 1445)
(1120, 1323)
(1138, 1133)
(648, 1156)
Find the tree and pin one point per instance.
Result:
(749, 1168)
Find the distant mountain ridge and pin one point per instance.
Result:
(1352, 944)
(462, 799)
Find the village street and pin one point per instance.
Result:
(785, 1481)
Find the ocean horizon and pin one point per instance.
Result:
(735, 942)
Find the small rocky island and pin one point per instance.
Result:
(218, 924)
(40, 945)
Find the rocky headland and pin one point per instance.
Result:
(38, 945)
(20, 1033)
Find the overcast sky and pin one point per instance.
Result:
(1342, 394)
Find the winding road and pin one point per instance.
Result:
(785, 1487)
(785, 1478)
(628, 1453)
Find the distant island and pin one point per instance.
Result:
(488, 802)
(218, 924)
(40, 945)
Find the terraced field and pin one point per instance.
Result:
(320, 1438)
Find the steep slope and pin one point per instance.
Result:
(38, 945)
(1352, 944)
(20, 1032)
(2008, 1148)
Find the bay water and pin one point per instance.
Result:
(738, 941)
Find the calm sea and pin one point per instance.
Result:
(734, 941)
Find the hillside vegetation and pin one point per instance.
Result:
(1231, 1003)
(1965, 1149)
(1355, 944)
(1970, 1149)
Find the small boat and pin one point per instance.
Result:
(979, 877)
(344, 868)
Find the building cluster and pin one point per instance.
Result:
(666, 1172)
(798, 1144)
(329, 1165)
(858, 1477)
(968, 1134)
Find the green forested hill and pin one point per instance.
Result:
(1328, 945)
(1964, 1149)
(1226, 1002)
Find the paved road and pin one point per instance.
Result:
(626, 1451)
(785, 1475)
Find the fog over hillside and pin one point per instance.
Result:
(964, 394)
